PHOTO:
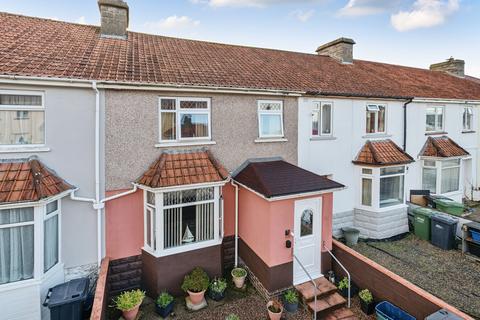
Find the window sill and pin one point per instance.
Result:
(19, 284)
(376, 135)
(320, 138)
(435, 133)
(23, 149)
(270, 140)
(183, 249)
(468, 131)
(184, 144)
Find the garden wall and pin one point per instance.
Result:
(386, 285)
(101, 292)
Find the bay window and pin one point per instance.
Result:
(270, 119)
(51, 236)
(441, 176)
(186, 219)
(434, 119)
(375, 118)
(184, 119)
(382, 187)
(467, 119)
(22, 118)
(322, 119)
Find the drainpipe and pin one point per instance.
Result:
(405, 123)
(236, 222)
(119, 195)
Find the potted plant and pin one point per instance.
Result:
(275, 310)
(290, 300)
(217, 288)
(367, 304)
(129, 302)
(232, 316)
(343, 287)
(195, 284)
(239, 275)
(164, 304)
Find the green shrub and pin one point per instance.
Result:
(232, 316)
(196, 281)
(128, 300)
(291, 296)
(218, 285)
(164, 299)
(239, 272)
(343, 284)
(366, 295)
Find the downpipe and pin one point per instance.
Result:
(236, 221)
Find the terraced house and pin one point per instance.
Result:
(164, 154)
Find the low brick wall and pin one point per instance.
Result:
(101, 292)
(125, 274)
(386, 285)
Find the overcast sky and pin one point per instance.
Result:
(407, 32)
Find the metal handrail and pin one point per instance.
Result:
(344, 269)
(315, 288)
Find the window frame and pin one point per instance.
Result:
(47, 216)
(376, 115)
(160, 251)
(270, 112)
(178, 111)
(318, 109)
(439, 167)
(383, 176)
(25, 108)
(436, 113)
(468, 116)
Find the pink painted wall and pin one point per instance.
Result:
(228, 192)
(262, 225)
(124, 225)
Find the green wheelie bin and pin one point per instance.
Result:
(422, 222)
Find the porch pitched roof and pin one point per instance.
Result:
(382, 153)
(28, 180)
(442, 147)
(276, 177)
(176, 168)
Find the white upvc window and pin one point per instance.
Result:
(29, 241)
(441, 176)
(22, 118)
(376, 115)
(435, 118)
(382, 188)
(184, 119)
(467, 119)
(322, 119)
(182, 219)
(270, 119)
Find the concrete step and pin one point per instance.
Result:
(327, 304)
(341, 314)
(308, 292)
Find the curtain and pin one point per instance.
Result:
(391, 191)
(50, 243)
(18, 127)
(430, 179)
(271, 124)
(16, 246)
(366, 192)
(326, 118)
(450, 179)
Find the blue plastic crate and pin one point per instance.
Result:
(387, 311)
(475, 235)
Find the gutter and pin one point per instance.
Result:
(405, 123)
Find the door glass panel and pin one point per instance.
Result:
(306, 223)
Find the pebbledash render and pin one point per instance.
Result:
(165, 154)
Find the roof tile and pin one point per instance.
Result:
(382, 153)
(442, 147)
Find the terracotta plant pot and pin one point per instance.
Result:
(132, 313)
(239, 281)
(196, 297)
(274, 316)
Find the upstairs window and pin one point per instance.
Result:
(467, 119)
(270, 119)
(184, 119)
(375, 117)
(322, 119)
(434, 119)
(22, 118)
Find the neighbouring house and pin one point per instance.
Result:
(210, 155)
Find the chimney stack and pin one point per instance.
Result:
(452, 66)
(114, 18)
(340, 49)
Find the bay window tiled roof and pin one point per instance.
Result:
(442, 147)
(382, 153)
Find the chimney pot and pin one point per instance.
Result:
(340, 49)
(452, 66)
(114, 18)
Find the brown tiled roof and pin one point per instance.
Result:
(182, 168)
(279, 178)
(48, 48)
(28, 180)
(442, 147)
(381, 153)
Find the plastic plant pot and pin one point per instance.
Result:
(165, 312)
(351, 236)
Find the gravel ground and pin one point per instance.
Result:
(448, 275)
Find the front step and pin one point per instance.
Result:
(341, 314)
(330, 302)
(308, 292)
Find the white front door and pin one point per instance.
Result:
(307, 233)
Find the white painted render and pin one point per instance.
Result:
(333, 155)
